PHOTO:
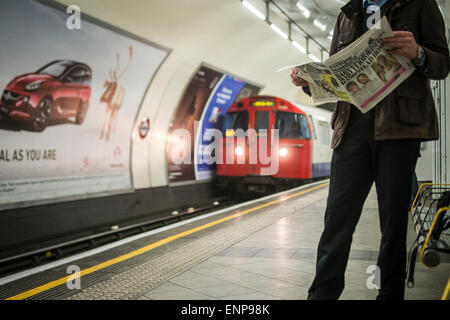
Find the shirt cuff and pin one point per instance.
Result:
(422, 61)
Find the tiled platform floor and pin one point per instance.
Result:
(278, 262)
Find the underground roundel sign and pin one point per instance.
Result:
(144, 127)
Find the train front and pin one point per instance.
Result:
(266, 146)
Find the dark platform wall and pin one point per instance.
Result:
(32, 228)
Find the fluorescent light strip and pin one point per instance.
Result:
(330, 35)
(314, 58)
(306, 13)
(253, 10)
(278, 30)
(299, 47)
(304, 10)
(319, 25)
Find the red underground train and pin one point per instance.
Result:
(255, 162)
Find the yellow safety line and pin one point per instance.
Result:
(446, 291)
(152, 246)
(424, 246)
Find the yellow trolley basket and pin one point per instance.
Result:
(431, 216)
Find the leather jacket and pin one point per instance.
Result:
(409, 111)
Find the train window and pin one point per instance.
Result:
(292, 126)
(324, 133)
(236, 120)
(262, 122)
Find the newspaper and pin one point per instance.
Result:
(363, 73)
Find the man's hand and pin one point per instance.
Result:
(296, 80)
(403, 43)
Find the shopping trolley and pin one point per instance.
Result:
(431, 216)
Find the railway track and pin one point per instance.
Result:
(41, 256)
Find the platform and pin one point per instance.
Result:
(263, 250)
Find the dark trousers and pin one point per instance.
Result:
(356, 163)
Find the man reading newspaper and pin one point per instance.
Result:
(380, 145)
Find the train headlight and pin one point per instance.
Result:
(283, 152)
(239, 151)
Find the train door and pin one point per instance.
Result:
(260, 145)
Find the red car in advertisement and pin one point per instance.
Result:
(56, 92)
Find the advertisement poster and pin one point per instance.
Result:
(205, 100)
(189, 110)
(229, 90)
(69, 101)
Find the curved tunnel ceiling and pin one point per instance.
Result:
(305, 12)
(326, 12)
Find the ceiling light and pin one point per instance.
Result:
(278, 30)
(305, 11)
(314, 58)
(330, 35)
(299, 47)
(320, 25)
(253, 10)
